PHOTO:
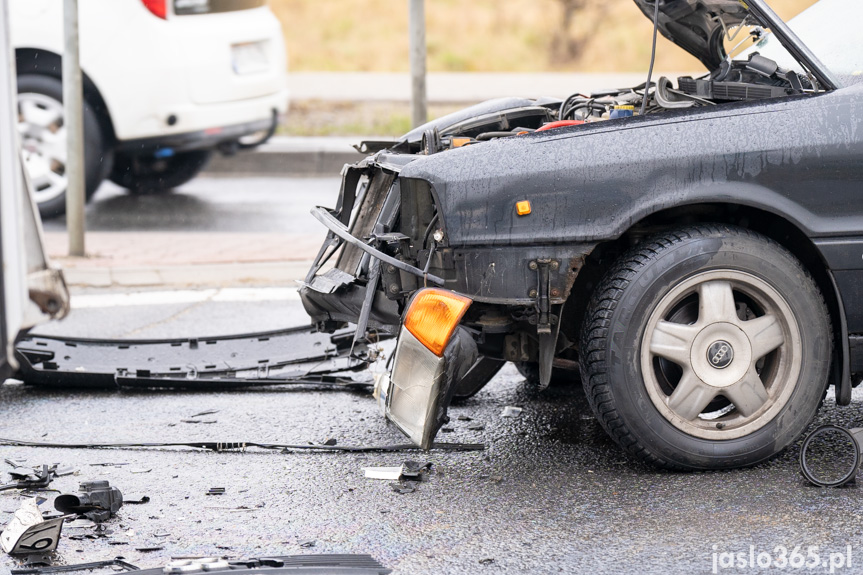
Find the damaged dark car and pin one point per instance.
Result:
(689, 248)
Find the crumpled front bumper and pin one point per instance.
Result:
(351, 291)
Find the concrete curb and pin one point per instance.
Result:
(283, 273)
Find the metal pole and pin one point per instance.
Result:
(419, 112)
(73, 100)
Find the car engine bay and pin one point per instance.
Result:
(755, 78)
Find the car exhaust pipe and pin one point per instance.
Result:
(831, 455)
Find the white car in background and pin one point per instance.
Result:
(166, 83)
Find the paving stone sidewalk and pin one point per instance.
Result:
(183, 258)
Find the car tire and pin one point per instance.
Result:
(43, 139)
(482, 372)
(706, 348)
(149, 175)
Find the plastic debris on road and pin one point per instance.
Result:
(511, 411)
(386, 473)
(29, 533)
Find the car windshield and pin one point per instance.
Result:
(829, 29)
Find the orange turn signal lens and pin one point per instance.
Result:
(459, 142)
(433, 316)
(522, 208)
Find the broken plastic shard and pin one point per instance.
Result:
(28, 533)
(409, 470)
(511, 411)
(27, 516)
(387, 473)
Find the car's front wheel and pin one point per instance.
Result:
(706, 348)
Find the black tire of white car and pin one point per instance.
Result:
(664, 300)
(148, 175)
(97, 156)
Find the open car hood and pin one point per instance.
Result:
(698, 27)
(695, 25)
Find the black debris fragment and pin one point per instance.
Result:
(415, 470)
(207, 412)
(486, 561)
(216, 491)
(404, 487)
(138, 501)
(307, 543)
(29, 479)
(97, 501)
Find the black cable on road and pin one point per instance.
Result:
(240, 446)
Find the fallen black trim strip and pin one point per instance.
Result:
(241, 446)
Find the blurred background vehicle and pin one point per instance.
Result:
(166, 84)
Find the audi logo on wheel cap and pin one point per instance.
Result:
(720, 354)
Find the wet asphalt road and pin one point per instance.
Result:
(550, 494)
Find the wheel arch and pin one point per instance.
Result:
(782, 230)
(48, 63)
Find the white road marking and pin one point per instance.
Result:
(183, 296)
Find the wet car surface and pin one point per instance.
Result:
(551, 492)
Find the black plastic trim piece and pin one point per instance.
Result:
(299, 355)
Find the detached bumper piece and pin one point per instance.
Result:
(432, 355)
(299, 355)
